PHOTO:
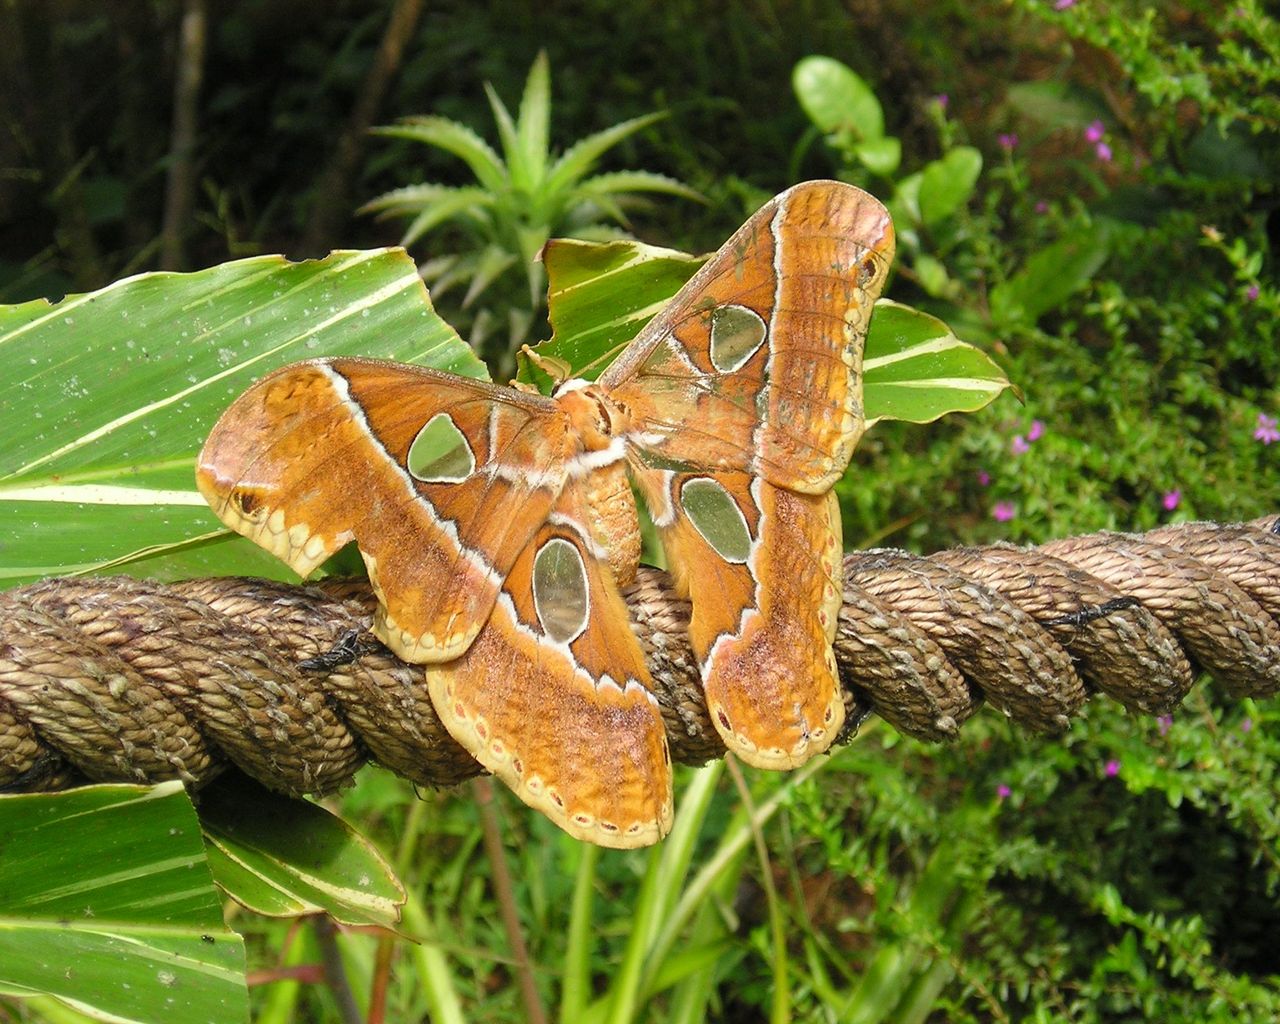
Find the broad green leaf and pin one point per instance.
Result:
(947, 183)
(284, 858)
(453, 138)
(836, 98)
(1050, 277)
(880, 156)
(915, 369)
(599, 296)
(108, 905)
(108, 398)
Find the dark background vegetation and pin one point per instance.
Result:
(1128, 871)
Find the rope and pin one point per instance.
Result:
(119, 679)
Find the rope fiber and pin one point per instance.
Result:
(126, 680)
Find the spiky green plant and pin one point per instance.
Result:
(521, 198)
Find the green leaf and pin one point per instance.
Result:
(622, 182)
(491, 264)
(836, 98)
(691, 960)
(946, 184)
(579, 158)
(454, 138)
(880, 156)
(533, 124)
(932, 275)
(1050, 277)
(915, 369)
(518, 170)
(600, 296)
(410, 199)
(109, 396)
(283, 857)
(445, 207)
(107, 904)
(904, 206)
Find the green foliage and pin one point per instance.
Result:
(847, 113)
(1226, 62)
(522, 198)
(1066, 863)
(117, 915)
(908, 885)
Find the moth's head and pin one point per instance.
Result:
(594, 418)
(873, 229)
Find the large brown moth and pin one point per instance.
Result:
(498, 525)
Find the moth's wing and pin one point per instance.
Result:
(762, 565)
(756, 365)
(554, 696)
(422, 469)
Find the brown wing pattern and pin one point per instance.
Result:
(554, 695)
(762, 567)
(757, 363)
(484, 515)
(318, 454)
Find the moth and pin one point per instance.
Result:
(498, 526)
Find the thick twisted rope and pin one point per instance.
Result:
(117, 679)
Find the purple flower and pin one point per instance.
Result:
(1252, 294)
(1164, 723)
(984, 478)
(1062, 5)
(1094, 132)
(1246, 725)
(1007, 141)
(942, 99)
(1042, 207)
(1003, 792)
(1112, 769)
(1103, 152)
(1003, 511)
(1171, 499)
(1266, 431)
(1020, 445)
(1037, 430)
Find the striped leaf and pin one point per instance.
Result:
(107, 904)
(108, 396)
(915, 369)
(285, 858)
(601, 295)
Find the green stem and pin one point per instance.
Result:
(781, 1012)
(733, 844)
(577, 955)
(431, 965)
